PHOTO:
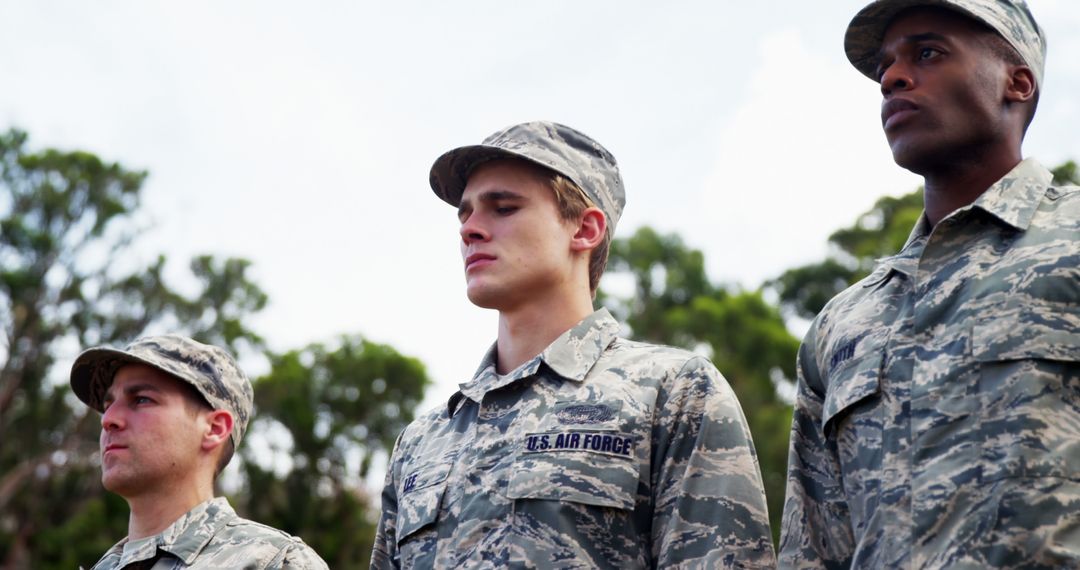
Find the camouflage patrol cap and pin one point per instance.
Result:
(557, 147)
(211, 370)
(1011, 19)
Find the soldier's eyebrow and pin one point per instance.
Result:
(465, 207)
(924, 36)
(135, 388)
(915, 39)
(500, 195)
(131, 390)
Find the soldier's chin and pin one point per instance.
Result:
(483, 297)
(115, 482)
(909, 156)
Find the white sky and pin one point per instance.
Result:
(299, 135)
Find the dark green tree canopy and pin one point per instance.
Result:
(68, 280)
(65, 221)
(675, 303)
(342, 407)
(878, 232)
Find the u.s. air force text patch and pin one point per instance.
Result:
(580, 440)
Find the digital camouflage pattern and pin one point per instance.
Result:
(211, 370)
(597, 453)
(1010, 18)
(212, 536)
(551, 145)
(937, 422)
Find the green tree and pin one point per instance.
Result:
(1066, 173)
(65, 226)
(675, 303)
(341, 408)
(879, 232)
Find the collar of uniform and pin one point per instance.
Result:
(1015, 198)
(906, 261)
(571, 356)
(112, 557)
(186, 537)
(576, 351)
(130, 552)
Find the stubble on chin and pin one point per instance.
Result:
(112, 480)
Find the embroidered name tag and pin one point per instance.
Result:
(425, 476)
(410, 483)
(845, 352)
(597, 442)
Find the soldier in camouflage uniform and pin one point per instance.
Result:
(173, 411)
(569, 447)
(937, 422)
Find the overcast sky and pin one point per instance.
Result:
(299, 135)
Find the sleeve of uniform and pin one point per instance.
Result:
(302, 557)
(385, 554)
(709, 500)
(816, 528)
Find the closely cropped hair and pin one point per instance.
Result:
(1004, 51)
(572, 202)
(226, 457)
(197, 403)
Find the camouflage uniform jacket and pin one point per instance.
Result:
(597, 453)
(211, 536)
(937, 422)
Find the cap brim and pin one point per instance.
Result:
(93, 370)
(451, 171)
(866, 31)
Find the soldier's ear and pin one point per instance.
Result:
(590, 231)
(1020, 87)
(219, 426)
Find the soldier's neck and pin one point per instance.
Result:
(528, 330)
(959, 184)
(153, 512)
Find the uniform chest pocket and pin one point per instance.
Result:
(852, 386)
(579, 466)
(1029, 380)
(419, 498)
(852, 417)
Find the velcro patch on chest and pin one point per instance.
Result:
(608, 443)
(585, 414)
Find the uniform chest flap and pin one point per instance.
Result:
(1029, 379)
(1048, 334)
(420, 495)
(854, 377)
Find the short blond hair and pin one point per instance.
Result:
(572, 203)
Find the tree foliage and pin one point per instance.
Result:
(66, 283)
(341, 408)
(1066, 173)
(65, 223)
(675, 303)
(877, 233)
